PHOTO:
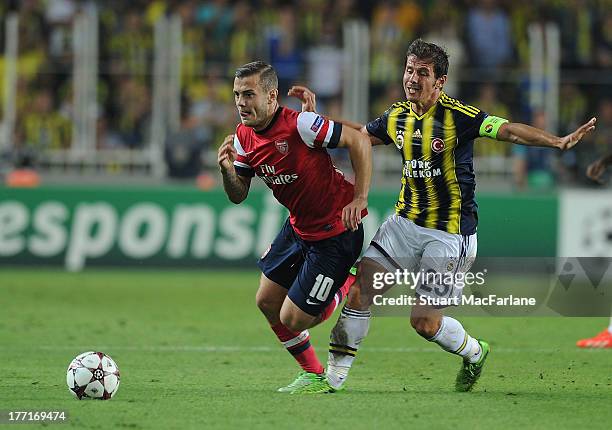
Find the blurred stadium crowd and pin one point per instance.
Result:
(486, 40)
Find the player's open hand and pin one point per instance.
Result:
(572, 139)
(227, 154)
(351, 214)
(307, 97)
(595, 170)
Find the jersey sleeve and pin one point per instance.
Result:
(468, 124)
(378, 128)
(241, 163)
(317, 131)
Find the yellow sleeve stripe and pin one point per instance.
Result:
(451, 103)
(444, 97)
(460, 105)
(460, 109)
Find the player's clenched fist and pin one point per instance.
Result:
(227, 153)
(351, 214)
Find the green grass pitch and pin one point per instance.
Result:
(194, 352)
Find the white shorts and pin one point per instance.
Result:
(401, 245)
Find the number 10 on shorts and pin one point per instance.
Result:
(321, 288)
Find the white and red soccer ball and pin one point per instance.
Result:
(93, 375)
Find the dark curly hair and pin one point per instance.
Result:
(430, 52)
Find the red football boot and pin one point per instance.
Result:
(602, 340)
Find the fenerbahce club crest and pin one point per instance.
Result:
(399, 139)
(282, 146)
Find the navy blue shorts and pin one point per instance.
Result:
(312, 271)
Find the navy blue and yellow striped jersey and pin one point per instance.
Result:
(437, 151)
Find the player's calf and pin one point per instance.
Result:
(452, 337)
(352, 326)
(296, 319)
(426, 322)
(447, 332)
(270, 298)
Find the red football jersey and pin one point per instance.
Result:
(290, 157)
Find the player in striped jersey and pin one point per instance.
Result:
(603, 339)
(434, 225)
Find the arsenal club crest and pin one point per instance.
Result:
(282, 146)
(437, 145)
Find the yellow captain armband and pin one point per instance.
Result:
(490, 126)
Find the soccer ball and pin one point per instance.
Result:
(93, 375)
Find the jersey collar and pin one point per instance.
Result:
(429, 112)
(276, 115)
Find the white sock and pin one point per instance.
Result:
(610, 326)
(346, 336)
(452, 337)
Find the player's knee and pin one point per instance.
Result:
(267, 306)
(425, 326)
(292, 321)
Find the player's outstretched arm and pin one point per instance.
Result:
(527, 135)
(598, 167)
(309, 104)
(360, 152)
(236, 187)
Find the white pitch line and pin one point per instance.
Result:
(240, 349)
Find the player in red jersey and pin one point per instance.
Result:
(595, 170)
(308, 262)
